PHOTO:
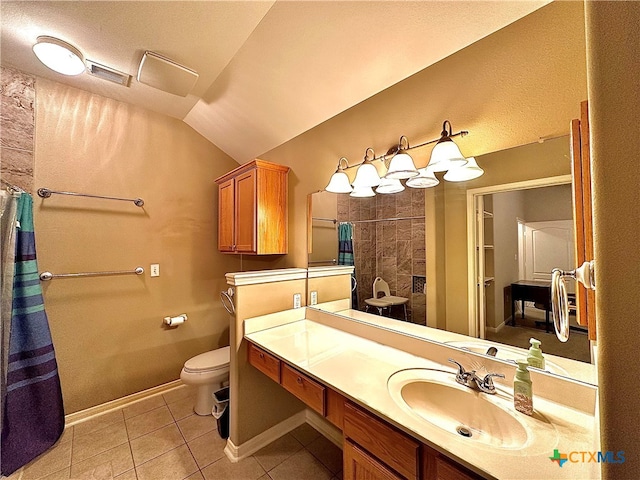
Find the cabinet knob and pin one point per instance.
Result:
(299, 380)
(261, 355)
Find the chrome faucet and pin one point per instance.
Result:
(471, 380)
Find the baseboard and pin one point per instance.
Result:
(235, 453)
(495, 329)
(118, 403)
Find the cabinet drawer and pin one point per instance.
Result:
(265, 362)
(309, 391)
(359, 465)
(392, 447)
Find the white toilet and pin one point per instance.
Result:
(207, 371)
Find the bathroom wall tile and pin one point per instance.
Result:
(155, 443)
(417, 202)
(182, 408)
(223, 469)
(148, 422)
(328, 454)
(301, 465)
(144, 406)
(207, 448)
(196, 425)
(418, 299)
(278, 451)
(404, 263)
(389, 207)
(403, 230)
(354, 209)
(17, 167)
(305, 434)
(404, 286)
(177, 463)
(98, 423)
(55, 459)
(419, 267)
(118, 459)
(17, 97)
(403, 203)
(418, 315)
(98, 442)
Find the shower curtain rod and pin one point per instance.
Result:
(384, 220)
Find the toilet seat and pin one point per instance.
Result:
(209, 361)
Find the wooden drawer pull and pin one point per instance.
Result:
(299, 380)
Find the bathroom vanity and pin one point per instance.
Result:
(394, 397)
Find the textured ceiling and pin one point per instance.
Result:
(269, 71)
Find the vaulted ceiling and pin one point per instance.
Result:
(268, 71)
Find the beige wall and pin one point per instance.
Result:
(613, 42)
(108, 332)
(324, 234)
(548, 204)
(507, 208)
(523, 82)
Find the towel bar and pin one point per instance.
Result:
(45, 276)
(46, 193)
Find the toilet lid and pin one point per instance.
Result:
(213, 360)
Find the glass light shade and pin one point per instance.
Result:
(426, 179)
(339, 183)
(59, 56)
(366, 176)
(390, 185)
(467, 172)
(401, 167)
(363, 192)
(445, 156)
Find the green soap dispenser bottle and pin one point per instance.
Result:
(535, 357)
(523, 389)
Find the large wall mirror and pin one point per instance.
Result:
(429, 245)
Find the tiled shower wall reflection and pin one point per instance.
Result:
(393, 250)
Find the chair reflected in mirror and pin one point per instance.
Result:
(382, 299)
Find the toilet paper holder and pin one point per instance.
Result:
(175, 321)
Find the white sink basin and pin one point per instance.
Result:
(504, 353)
(482, 419)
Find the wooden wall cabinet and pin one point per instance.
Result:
(253, 209)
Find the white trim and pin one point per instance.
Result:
(119, 403)
(266, 276)
(495, 329)
(330, 271)
(235, 453)
(471, 230)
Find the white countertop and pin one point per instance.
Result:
(359, 368)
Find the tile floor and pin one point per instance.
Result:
(160, 438)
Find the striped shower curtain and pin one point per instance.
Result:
(346, 257)
(32, 410)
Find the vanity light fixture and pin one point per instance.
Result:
(401, 165)
(367, 174)
(59, 56)
(467, 172)
(445, 157)
(446, 154)
(426, 179)
(390, 185)
(339, 182)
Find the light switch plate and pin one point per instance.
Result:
(314, 297)
(155, 270)
(297, 300)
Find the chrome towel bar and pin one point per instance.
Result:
(46, 193)
(45, 276)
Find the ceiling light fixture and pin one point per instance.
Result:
(445, 157)
(59, 56)
(339, 182)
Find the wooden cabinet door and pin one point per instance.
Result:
(245, 212)
(226, 219)
(358, 465)
(582, 210)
